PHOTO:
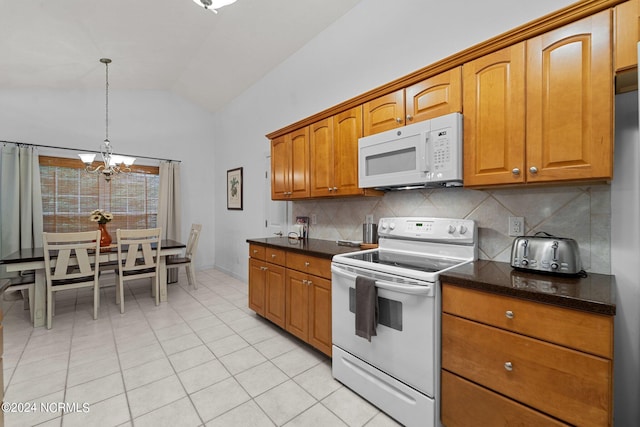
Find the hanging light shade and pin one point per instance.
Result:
(112, 164)
(213, 5)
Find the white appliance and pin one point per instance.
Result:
(424, 154)
(399, 369)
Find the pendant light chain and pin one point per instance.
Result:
(106, 124)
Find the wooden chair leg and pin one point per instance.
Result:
(96, 300)
(191, 275)
(49, 308)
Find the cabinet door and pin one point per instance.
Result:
(347, 128)
(299, 186)
(384, 113)
(320, 314)
(257, 285)
(275, 295)
(297, 304)
(321, 158)
(494, 118)
(626, 35)
(436, 96)
(280, 168)
(570, 102)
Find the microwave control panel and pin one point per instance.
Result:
(441, 140)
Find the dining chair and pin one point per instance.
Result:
(71, 262)
(25, 283)
(138, 258)
(189, 256)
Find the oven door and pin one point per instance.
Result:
(406, 343)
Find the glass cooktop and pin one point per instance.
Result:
(419, 262)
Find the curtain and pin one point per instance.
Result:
(20, 199)
(169, 201)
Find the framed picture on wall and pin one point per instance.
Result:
(234, 189)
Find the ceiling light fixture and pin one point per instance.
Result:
(112, 164)
(213, 5)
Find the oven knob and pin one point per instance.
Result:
(392, 226)
(463, 229)
(452, 229)
(383, 225)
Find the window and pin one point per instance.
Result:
(69, 194)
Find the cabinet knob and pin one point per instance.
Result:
(335, 188)
(263, 268)
(509, 314)
(533, 169)
(508, 366)
(409, 117)
(306, 264)
(515, 171)
(398, 119)
(273, 255)
(309, 282)
(255, 251)
(304, 281)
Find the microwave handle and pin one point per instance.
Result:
(427, 157)
(405, 289)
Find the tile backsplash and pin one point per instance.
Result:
(582, 213)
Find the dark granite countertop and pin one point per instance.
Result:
(594, 293)
(315, 247)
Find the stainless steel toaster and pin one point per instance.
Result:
(546, 253)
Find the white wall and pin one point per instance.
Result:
(147, 123)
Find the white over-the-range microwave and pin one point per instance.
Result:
(424, 154)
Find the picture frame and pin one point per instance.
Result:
(234, 189)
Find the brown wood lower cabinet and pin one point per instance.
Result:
(494, 374)
(294, 292)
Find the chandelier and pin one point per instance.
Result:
(112, 164)
(213, 5)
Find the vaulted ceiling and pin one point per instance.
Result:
(171, 45)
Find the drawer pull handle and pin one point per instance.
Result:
(273, 255)
(509, 314)
(255, 251)
(508, 366)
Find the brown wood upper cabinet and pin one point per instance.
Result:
(333, 147)
(627, 35)
(290, 165)
(562, 130)
(570, 102)
(433, 97)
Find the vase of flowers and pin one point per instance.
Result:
(102, 218)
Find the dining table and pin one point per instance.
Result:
(32, 259)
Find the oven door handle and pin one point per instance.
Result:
(394, 287)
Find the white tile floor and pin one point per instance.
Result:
(202, 359)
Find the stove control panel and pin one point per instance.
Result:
(425, 228)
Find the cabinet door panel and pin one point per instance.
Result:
(275, 295)
(436, 96)
(320, 314)
(384, 113)
(347, 128)
(321, 157)
(564, 383)
(494, 118)
(570, 102)
(626, 43)
(297, 297)
(257, 285)
(280, 168)
(467, 404)
(299, 185)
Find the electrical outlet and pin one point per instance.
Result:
(516, 226)
(314, 219)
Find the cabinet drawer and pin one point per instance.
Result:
(564, 383)
(583, 331)
(257, 251)
(308, 264)
(275, 256)
(467, 404)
